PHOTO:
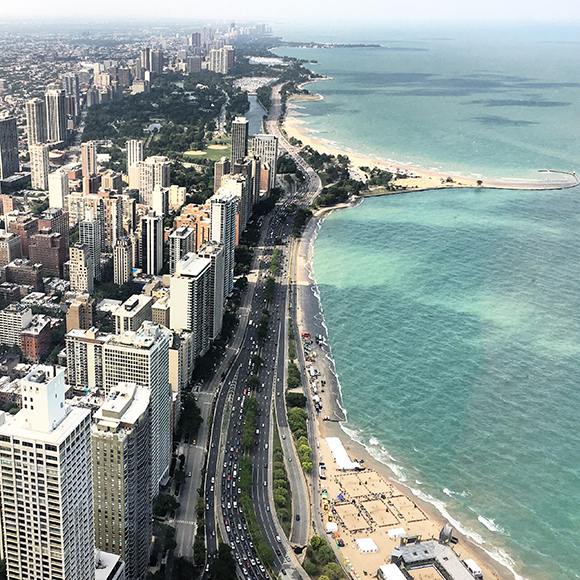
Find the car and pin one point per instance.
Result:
(287, 558)
(228, 529)
(267, 508)
(278, 539)
(297, 517)
(265, 483)
(189, 474)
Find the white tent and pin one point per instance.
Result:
(397, 533)
(331, 527)
(343, 462)
(390, 572)
(367, 546)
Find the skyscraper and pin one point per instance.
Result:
(90, 234)
(84, 357)
(215, 253)
(134, 152)
(154, 173)
(152, 243)
(190, 300)
(8, 147)
(47, 499)
(181, 242)
(223, 231)
(39, 166)
(81, 269)
(142, 357)
(239, 138)
(146, 58)
(55, 115)
(266, 148)
(221, 168)
(58, 188)
(36, 121)
(89, 158)
(121, 442)
(156, 61)
(123, 261)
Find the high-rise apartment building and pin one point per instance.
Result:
(36, 121)
(58, 188)
(25, 226)
(9, 164)
(13, 320)
(90, 235)
(80, 313)
(121, 443)
(89, 158)
(84, 357)
(134, 149)
(10, 248)
(49, 249)
(181, 242)
(123, 261)
(55, 115)
(191, 299)
(152, 244)
(142, 357)
(39, 166)
(214, 252)
(223, 231)
(238, 185)
(81, 269)
(177, 197)
(156, 61)
(240, 127)
(154, 173)
(221, 168)
(56, 220)
(132, 313)
(146, 58)
(46, 484)
(266, 148)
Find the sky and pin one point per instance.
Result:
(320, 11)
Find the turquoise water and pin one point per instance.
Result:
(460, 364)
(488, 104)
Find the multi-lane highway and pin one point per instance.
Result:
(225, 395)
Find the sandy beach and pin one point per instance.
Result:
(371, 502)
(295, 125)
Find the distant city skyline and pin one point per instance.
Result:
(369, 11)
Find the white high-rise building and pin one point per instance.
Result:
(90, 234)
(13, 320)
(81, 269)
(39, 166)
(84, 357)
(58, 188)
(240, 186)
(181, 241)
(215, 252)
(55, 115)
(36, 121)
(266, 148)
(191, 300)
(134, 158)
(152, 244)
(154, 173)
(142, 357)
(177, 196)
(223, 231)
(46, 484)
(123, 261)
(240, 127)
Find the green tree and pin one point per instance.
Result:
(164, 503)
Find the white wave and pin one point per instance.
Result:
(374, 441)
(447, 492)
(490, 524)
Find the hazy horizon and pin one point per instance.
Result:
(322, 12)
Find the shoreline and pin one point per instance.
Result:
(422, 179)
(310, 318)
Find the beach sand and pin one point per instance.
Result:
(405, 510)
(295, 125)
